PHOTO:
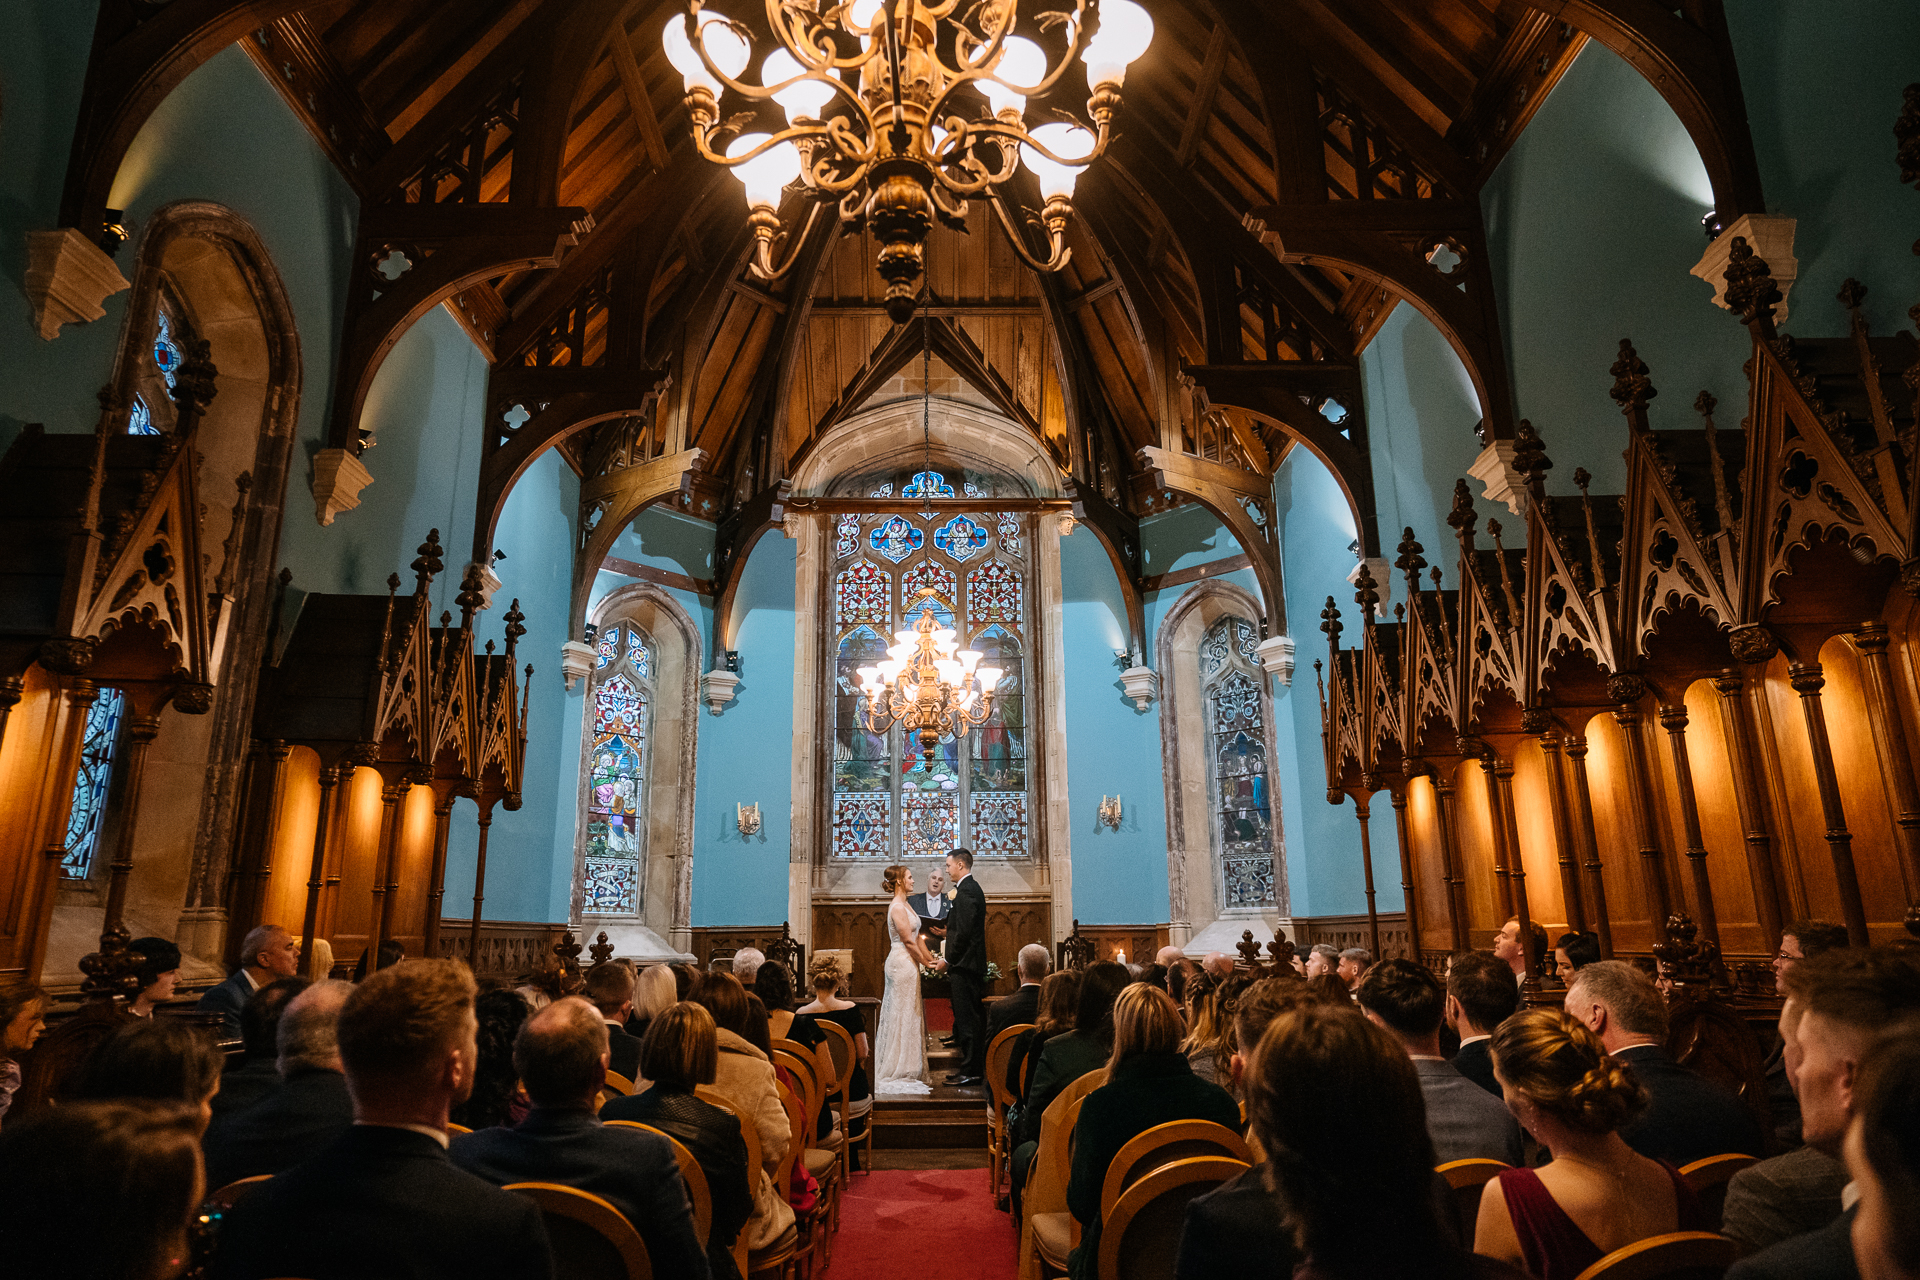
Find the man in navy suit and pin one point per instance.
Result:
(1480, 996)
(267, 954)
(610, 988)
(561, 1055)
(384, 1199)
(310, 1109)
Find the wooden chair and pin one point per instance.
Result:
(1708, 1178)
(771, 1258)
(1468, 1178)
(823, 1162)
(219, 1201)
(457, 1128)
(617, 1083)
(1162, 1145)
(845, 1059)
(699, 1194)
(998, 1100)
(812, 1225)
(1050, 1232)
(1680, 1255)
(589, 1238)
(1140, 1238)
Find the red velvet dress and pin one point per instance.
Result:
(1553, 1244)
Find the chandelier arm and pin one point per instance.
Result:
(952, 207)
(1056, 238)
(1076, 43)
(763, 245)
(788, 134)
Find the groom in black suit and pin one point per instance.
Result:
(965, 964)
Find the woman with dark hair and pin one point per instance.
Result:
(496, 1098)
(1573, 952)
(157, 1058)
(744, 1075)
(1149, 1082)
(1065, 1059)
(774, 985)
(1059, 997)
(157, 974)
(1596, 1194)
(680, 1053)
(100, 1190)
(23, 1016)
(1334, 1103)
(685, 979)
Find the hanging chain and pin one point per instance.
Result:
(926, 404)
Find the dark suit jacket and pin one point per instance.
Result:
(1690, 1118)
(712, 1135)
(634, 1172)
(227, 1000)
(1475, 1062)
(1010, 1011)
(1145, 1090)
(382, 1204)
(966, 948)
(1236, 1230)
(623, 1052)
(1781, 1099)
(1826, 1254)
(1784, 1197)
(918, 903)
(298, 1120)
(1064, 1059)
(245, 1085)
(1463, 1121)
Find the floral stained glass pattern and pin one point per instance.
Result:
(896, 538)
(1009, 527)
(915, 584)
(960, 538)
(1228, 636)
(929, 824)
(994, 594)
(608, 649)
(89, 806)
(997, 823)
(846, 536)
(860, 595)
(862, 825)
(637, 655)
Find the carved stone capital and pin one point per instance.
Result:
(194, 698)
(1807, 678)
(717, 688)
(1772, 239)
(68, 277)
(1276, 658)
(1142, 686)
(68, 655)
(1536, 720)
(338, 478)
(1753, 644)
(1626, 688)
(1674, 717)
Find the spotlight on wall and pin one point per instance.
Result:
(1710, 223)
(731, 657)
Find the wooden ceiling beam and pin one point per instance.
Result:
(1200, 109)
(634, 84)
(461, 62)
(1536, 53)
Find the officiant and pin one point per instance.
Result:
(933, 908)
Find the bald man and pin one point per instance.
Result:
(1218, 964)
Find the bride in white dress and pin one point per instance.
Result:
(900, 1045)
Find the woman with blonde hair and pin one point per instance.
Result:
(1205, 1033)
(1148, 1082)
(1596, 1194)
(653, 993)
(828, 1006)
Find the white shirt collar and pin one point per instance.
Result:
(438, 1135)
(1467, 1040)
(248, 975)
(1849, 1196)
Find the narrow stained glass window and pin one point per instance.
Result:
(618, 762)
(90, 784)
(140, 419)
(1242, 798)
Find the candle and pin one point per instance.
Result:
(1119, 957)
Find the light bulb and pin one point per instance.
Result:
(909, 641)
(943, 637)
(970, 658)
(767, 173)
(869, 677)
(860, 15)
(987, 678)
(966, 699)
(949, 670)
(726, 46)
(1022, 66)
(801, 100)
(1066, 140)
(1125, 32)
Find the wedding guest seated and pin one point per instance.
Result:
(384, 1198)
(1334, 1104)
(1328, 989)
(267, 952)
(1848, 997)
(1509, 949)
(100, 1191)
(1237, 1229)
(1206, 1034)
(774, 985)
(1179, 974)
(1574, 952)
(827, 1006)
(1596, 1194)
(561, 1054)
(23, 1016)
(1464, 1120)
(495, 1097)
(1688, 1118)
(155, 1058)
(745, 1077)
(1800, 940)
(610, 988)
(259, 1071)
(1024, 1003)
(1480, 996)
(1148, 1083)
(1217, 963)
(1354, 962)
(685, 978)
(1065, 1058)
(157, 974)
(1058, 996)
(309, 1110)
(747, 962)
(1322, 958)
(1790, 1194)
(680, 1053)
(1883, 1155)
(1154, 975)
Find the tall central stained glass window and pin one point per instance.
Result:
(619, 754)
(1237, 737)
(971, 570)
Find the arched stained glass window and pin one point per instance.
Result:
(91, 784)
(1242, 789)
(889, 567)
(619, 753)
(140, 419)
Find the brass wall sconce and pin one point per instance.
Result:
(1110, 812)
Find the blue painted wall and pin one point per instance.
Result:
(1184, 537)
(1119, 877)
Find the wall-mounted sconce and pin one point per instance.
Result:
(1110, 812)
(717, 687)
(749, 818)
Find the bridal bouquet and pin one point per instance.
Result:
(993, 972)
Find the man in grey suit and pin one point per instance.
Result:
(1790, 1194)
(1464, 1120)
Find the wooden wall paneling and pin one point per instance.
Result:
(1139, 941)
(1746, 777)
(411, 880)
(1014, 922)
(1351, 931)
(1721, 829)
(1764, 689)
(1871, 814)
(1474, 850)
(290, 858)
(1630, 920)
(733, 937)
(33, 729)
(1539, 847)
(1892, 746)
(1801, 805)
(350, 884)
(1423, 827)
(509, 949)
(859, 925)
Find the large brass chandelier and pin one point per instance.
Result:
(928, 686)
(881, 97)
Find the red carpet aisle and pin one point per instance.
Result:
(939, 1224)
(939, 1014)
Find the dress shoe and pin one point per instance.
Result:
(947, 1041)
(963, 1081)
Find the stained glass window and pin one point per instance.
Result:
(166, 352)
(1243, 806)
(618, 759)
(140, 419)
(888, 801)
(90, 784)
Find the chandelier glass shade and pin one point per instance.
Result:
(928, 685)
(899, 112)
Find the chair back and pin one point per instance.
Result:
(589, 1238)
(999, 1053)
(1140, 1239)
(1708, 1178)
(1163, 1144)
(803, 1069)
(617, 1083)
(755, 1171)
(224, 1198)
(1679, 1255)
(840, 1045)
(698, 1193)
(1468, 1178)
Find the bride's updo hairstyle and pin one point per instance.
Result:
(893, 877)
(823, 973)
(1562, 1068)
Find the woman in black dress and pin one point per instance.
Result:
(827, 1006)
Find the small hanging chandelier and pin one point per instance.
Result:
(890, 143)
(928, 688)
